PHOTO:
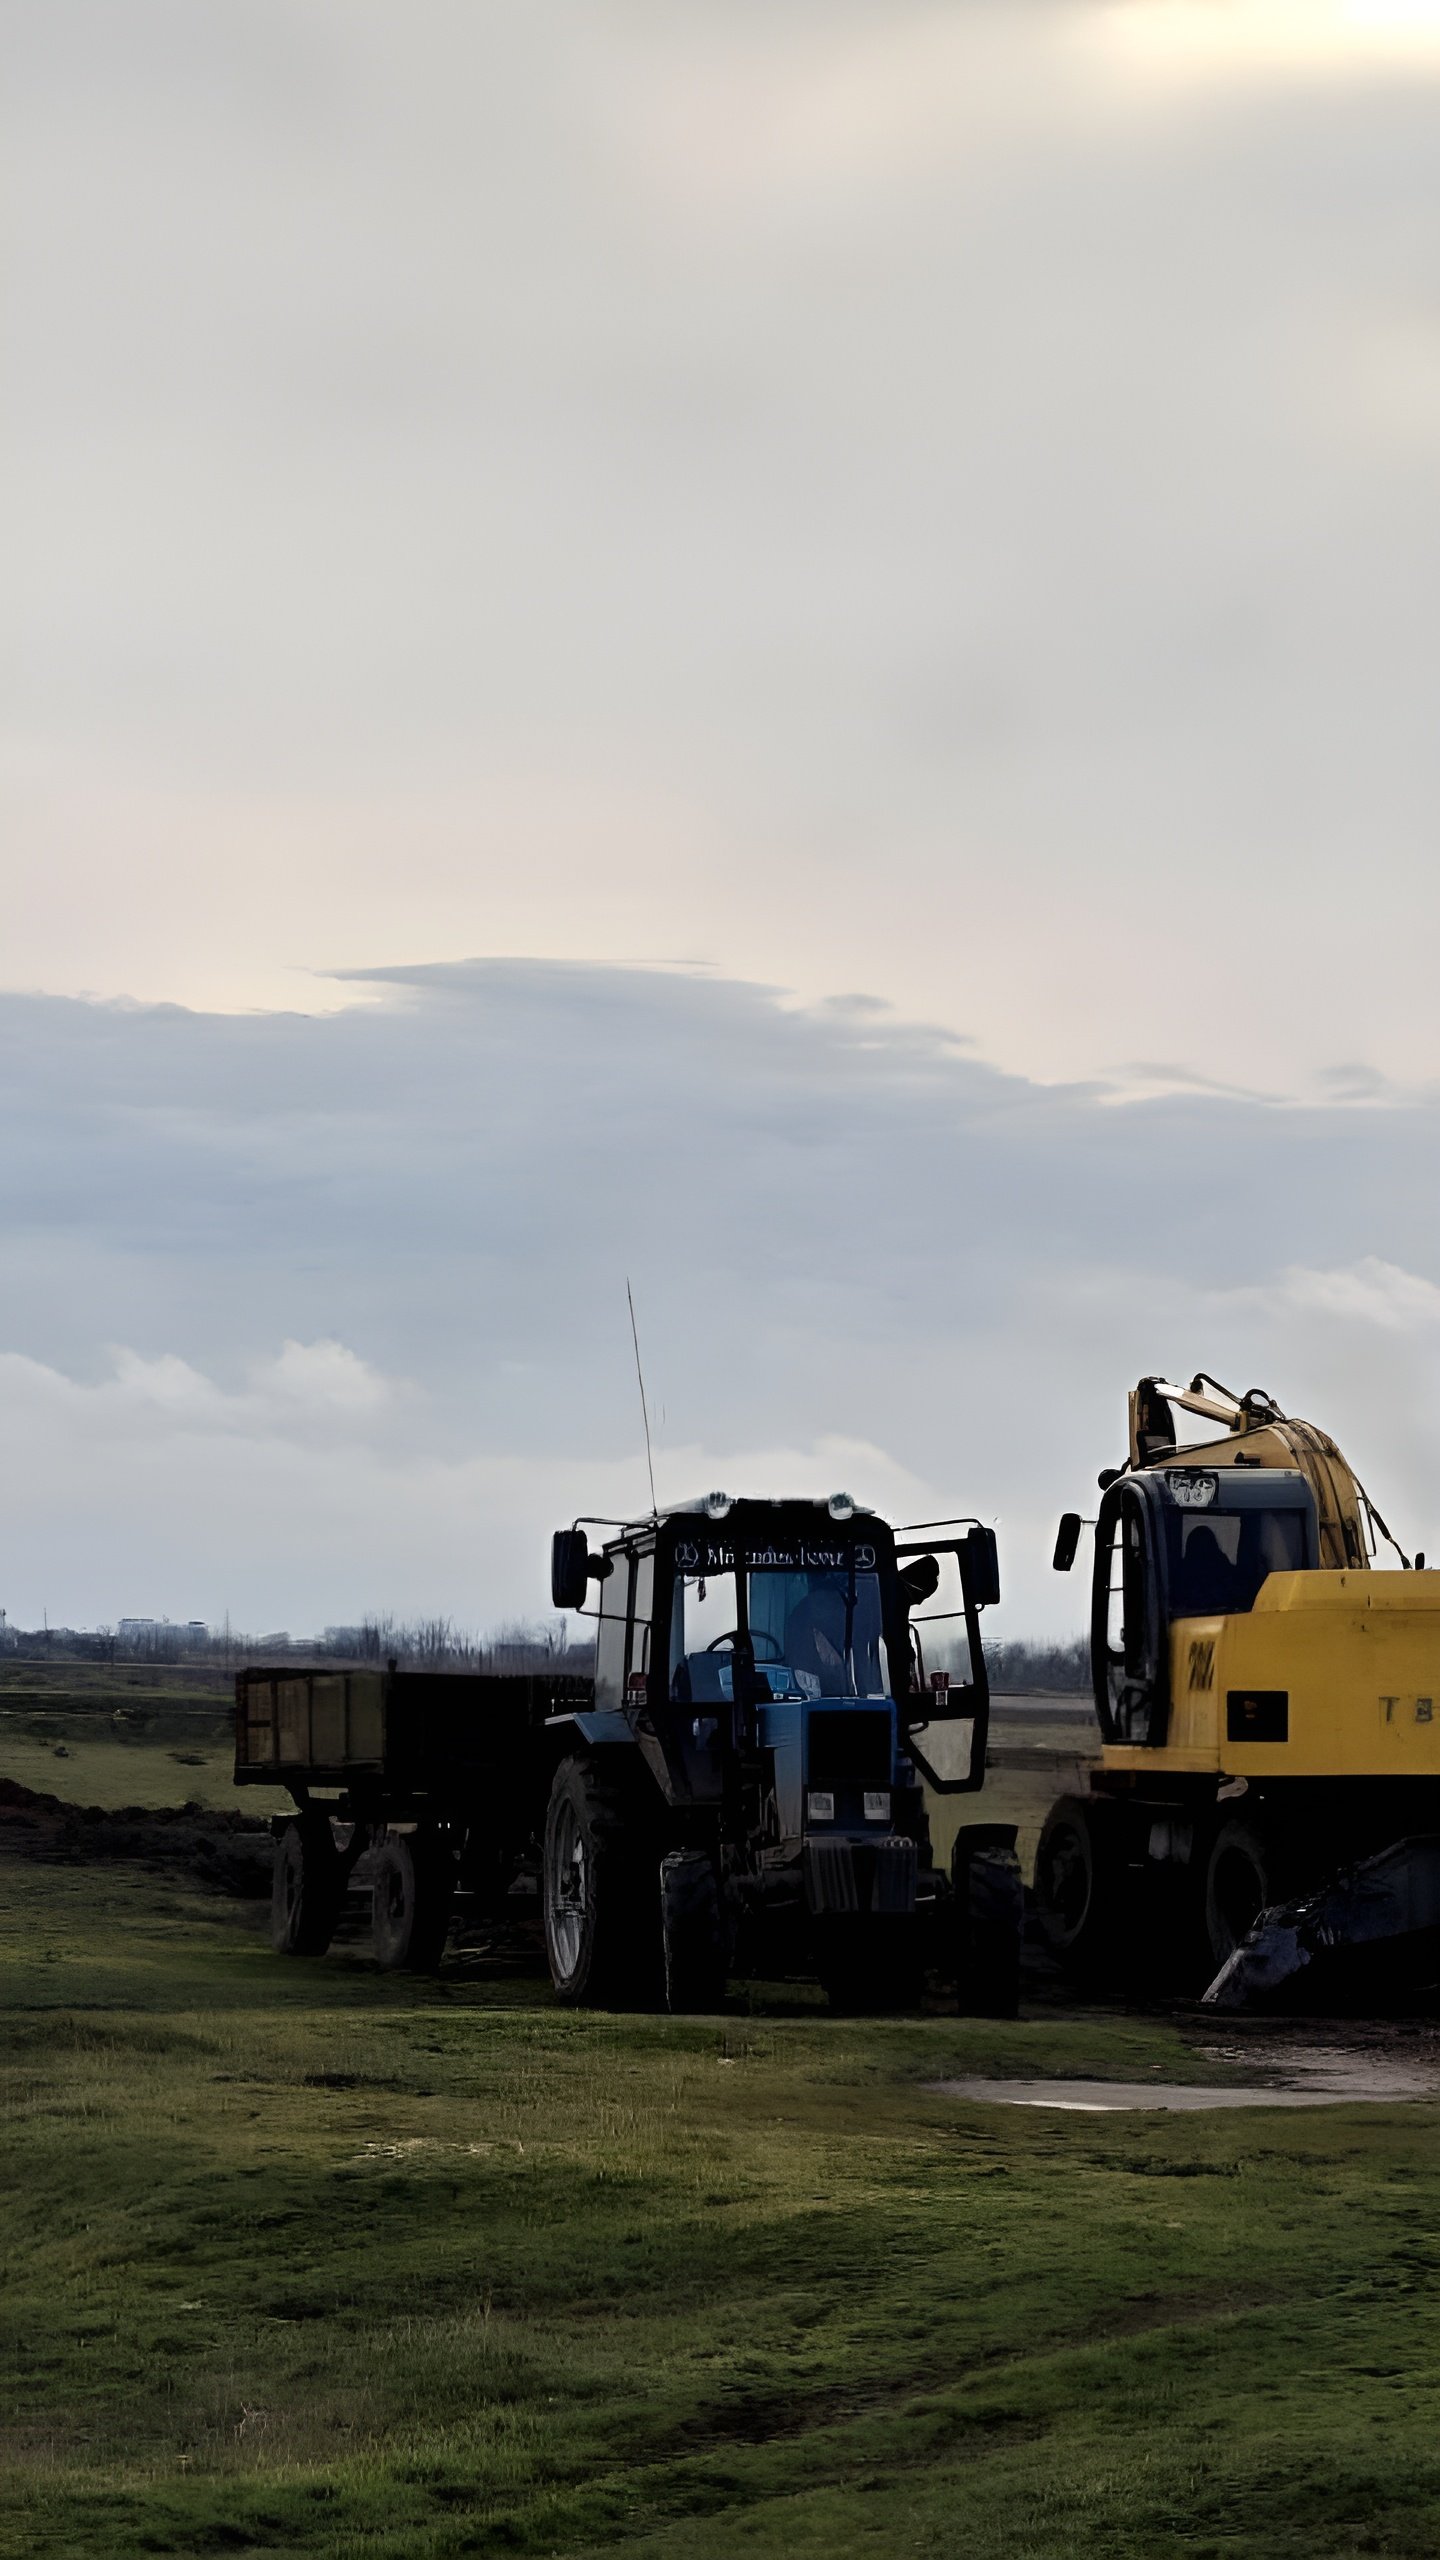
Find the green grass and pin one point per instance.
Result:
(306, 2260)
(107, 1771)
(96, 1735)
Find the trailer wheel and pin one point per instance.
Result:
(1241, 1880)
(1079, 1881)
(989, 1911)
(307, 1888)
(601, 1886)
(413, 1879)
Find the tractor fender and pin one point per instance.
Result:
(594, 1726)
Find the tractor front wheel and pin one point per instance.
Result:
(988, 1902)
(697, 1942)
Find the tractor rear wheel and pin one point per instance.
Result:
(307, 1888)
(601, 1889)
(412, 1898)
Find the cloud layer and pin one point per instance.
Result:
(302, 1315)
(938, 499)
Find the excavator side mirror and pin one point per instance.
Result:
(1067, 1541)
(569, 1568)
(983, 1559)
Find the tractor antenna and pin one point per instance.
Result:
(644, 1407)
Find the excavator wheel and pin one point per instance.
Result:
(601, 1889)
(1243, 1876)
(1080, 1879)
(308, 1886)
(412, 1898)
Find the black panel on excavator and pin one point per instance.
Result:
(1257, 1715)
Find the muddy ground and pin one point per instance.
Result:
(230, 1851)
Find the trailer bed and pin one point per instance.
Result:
(401, 1738)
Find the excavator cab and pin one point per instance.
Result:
(1268, 1701)
(1175, 1545)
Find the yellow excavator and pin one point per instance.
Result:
(1267, 1798)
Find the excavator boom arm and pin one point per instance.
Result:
(1257, 1433)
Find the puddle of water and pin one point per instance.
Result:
(1324, 2088)
(1333, 2071)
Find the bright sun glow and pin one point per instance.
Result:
(1220, 35)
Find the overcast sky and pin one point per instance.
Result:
(790, 646)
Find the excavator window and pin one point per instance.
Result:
(1129, 1650)
(1114, 1590)
(1218, 1560)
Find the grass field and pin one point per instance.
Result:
(99, 1769)
(128, 1734)
(306, 2260)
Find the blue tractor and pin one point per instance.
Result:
(746, 1788)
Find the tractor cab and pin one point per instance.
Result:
(730, 1630)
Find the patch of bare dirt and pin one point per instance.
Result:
(233, 1852)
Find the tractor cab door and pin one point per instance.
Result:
(1129, 1621)
(944, 1720)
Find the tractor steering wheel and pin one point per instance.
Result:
(732, 1638)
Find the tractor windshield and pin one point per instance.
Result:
(814, 1633)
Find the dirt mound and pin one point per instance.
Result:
(231, 1851)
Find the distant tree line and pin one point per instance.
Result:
(437, 1644)
(1018, 1667)
(1021, 1666)
(420, 1644)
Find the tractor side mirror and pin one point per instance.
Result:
(919, 1581)
(569, 1568)
(982, 1556)
(1067, 1541)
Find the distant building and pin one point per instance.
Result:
(145, 1630)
